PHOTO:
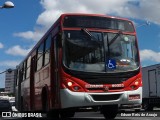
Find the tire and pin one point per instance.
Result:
(54, 114)
(22, 106)
(45, 107)
(109, 111)
(146, 106)
(67, 113)
(137, 110)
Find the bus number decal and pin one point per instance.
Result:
(117, 85)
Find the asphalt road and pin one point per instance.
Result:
(127, 115)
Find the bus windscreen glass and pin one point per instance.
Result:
(97, 22)
(85, 53)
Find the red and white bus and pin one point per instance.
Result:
(84, 60)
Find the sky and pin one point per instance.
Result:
(22, 26)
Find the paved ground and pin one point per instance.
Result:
(127, 115)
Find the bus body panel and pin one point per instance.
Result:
(25, 94)
(42, 80)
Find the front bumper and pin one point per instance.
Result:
(82, 99)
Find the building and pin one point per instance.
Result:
(2, 89)
(10, 79)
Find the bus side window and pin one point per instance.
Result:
(17, 76)
(47, 50)
(24, 70)
(20, 74)
(40, 56)
(28, 67)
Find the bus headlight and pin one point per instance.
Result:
(136, 84)
(69, 84)
(72, 85)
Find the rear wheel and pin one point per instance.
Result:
(109, 111)
(65, 113)
(22, 106)
(53, 114)
(45, 106)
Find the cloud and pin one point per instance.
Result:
(138, 9)
(18, 51)
(1, 45)
(9, 64)
(149, 55)
(31, 35)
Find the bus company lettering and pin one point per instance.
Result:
(94, 86)
(34, 115)
(17, 115)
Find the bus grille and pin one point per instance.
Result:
(106, 97)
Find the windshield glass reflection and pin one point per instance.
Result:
(85, 53)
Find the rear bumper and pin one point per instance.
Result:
(81, 99)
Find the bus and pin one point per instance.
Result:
(82, 61)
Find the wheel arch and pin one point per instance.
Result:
(45, 97)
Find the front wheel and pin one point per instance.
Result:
(109, 111)
(146, 106)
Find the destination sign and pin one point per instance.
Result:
(97, 22)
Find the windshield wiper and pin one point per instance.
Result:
(115, 37)
(91, 36)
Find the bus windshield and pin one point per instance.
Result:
(85, 53)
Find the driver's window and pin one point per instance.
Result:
(115, 46)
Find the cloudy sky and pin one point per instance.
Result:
(24, 25)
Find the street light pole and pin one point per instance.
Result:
(7, 4)
(144, 24)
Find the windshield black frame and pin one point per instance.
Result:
(104, 39)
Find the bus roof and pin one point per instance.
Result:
(96, 15)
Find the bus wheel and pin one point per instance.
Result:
(146, 106)
(109, 111)
(137, 110)
(67, 113)
(45, 106)
(22, 106)
(53, 114)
